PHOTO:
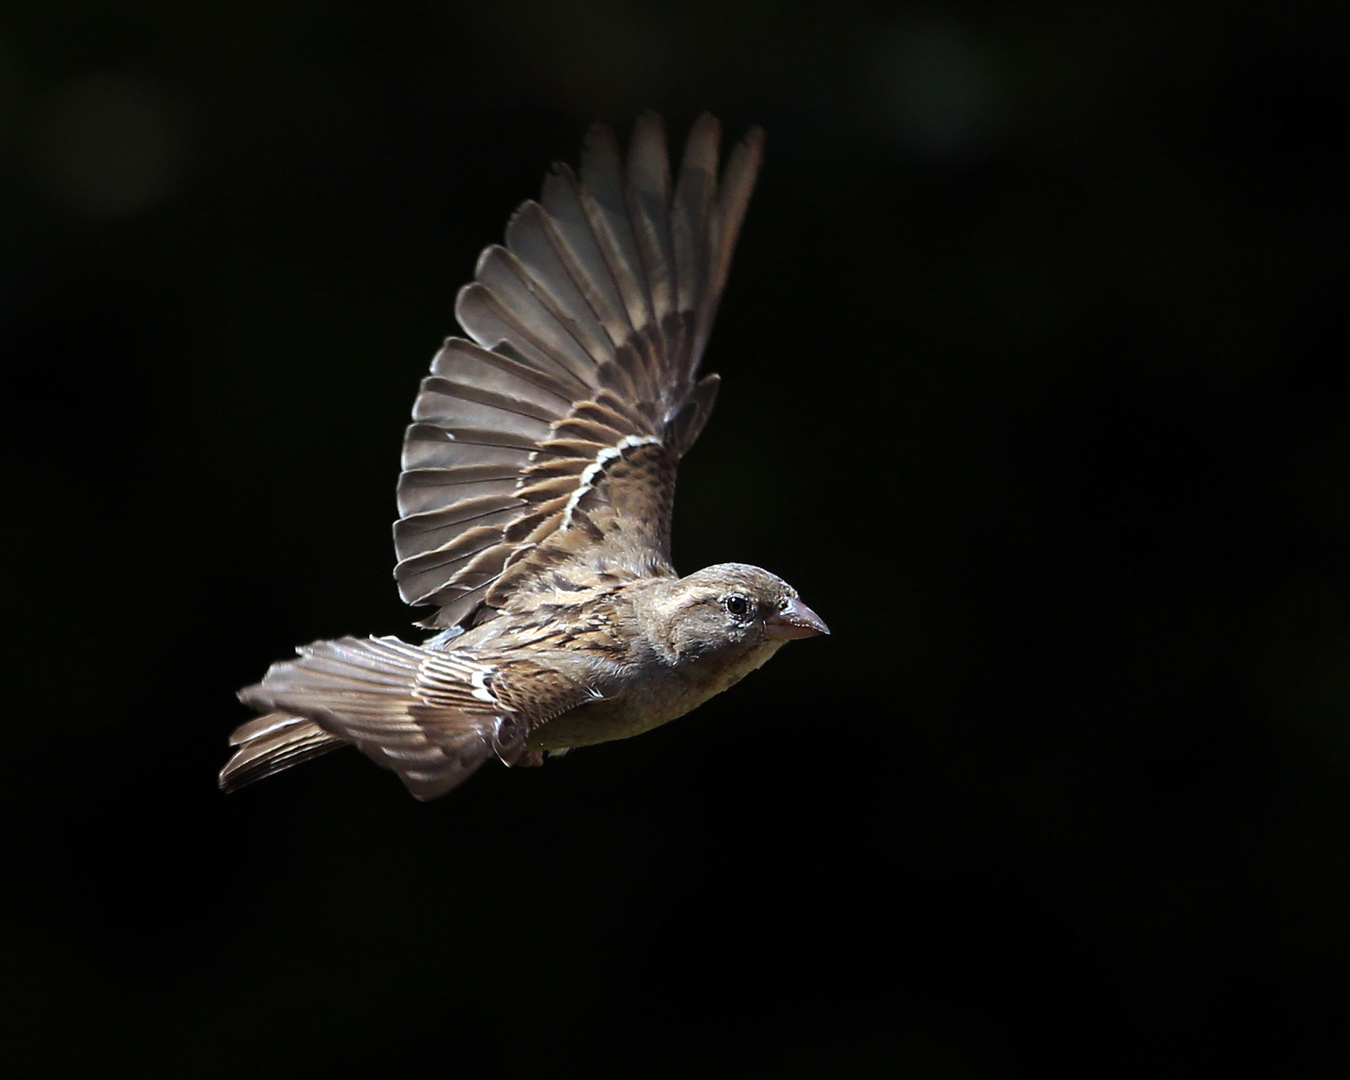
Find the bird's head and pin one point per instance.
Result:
(733, 608)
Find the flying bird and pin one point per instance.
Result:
(536, 492)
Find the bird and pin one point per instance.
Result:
(535, 498)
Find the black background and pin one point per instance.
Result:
(1036, 387)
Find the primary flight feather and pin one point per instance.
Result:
(536, 493)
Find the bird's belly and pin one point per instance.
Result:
(641, 707)
(602, 722)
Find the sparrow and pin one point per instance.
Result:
(538, 477)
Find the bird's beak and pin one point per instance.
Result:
(794, 621)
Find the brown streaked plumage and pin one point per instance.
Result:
(536, 494)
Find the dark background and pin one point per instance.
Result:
(1036, 387)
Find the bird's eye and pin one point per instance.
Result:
(736, 604)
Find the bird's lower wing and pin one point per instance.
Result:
(432, 717)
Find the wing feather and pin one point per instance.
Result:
(601, 195)
(570, 233)
(530, 239)
(649, 210)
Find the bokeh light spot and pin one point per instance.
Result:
(107, 146)
(937, 90)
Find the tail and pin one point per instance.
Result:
(420, 712)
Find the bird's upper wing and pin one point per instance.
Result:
(552, 437)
